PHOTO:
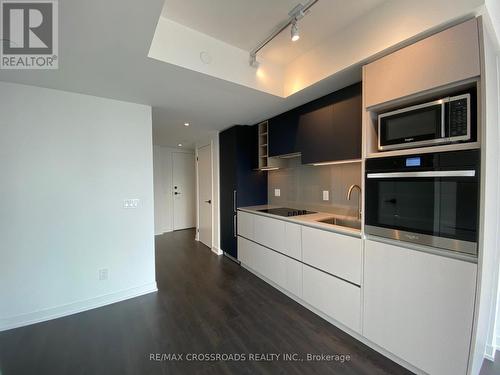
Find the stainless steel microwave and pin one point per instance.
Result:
(441, 121)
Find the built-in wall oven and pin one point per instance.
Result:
(430, 199)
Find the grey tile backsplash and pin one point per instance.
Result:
(302, 186)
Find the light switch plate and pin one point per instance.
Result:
(277, 192)
(326, 195)
(131, 203)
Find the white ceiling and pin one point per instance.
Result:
(244, 23)
(103, 52)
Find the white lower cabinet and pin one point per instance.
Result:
(334, 297)
(419, 306)
(280, 269)
(246, 225)
(269, 232)
(334, 253)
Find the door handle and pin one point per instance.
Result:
(464, 173)
(209, 201)
(234, 200)
(176, 193)
(234, 226)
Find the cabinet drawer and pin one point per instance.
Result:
(334, 297)
(282, 270)
(419, 306)
(269, 232)
(334, 253)
(246, 225)
(293, 240)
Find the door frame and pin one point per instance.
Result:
(215, 192)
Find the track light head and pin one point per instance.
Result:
(294, 31)
(253, 61)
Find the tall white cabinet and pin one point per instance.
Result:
(419, 306)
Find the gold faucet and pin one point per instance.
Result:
(351, 188)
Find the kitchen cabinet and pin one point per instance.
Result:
(282, 270)
(419, 306)
(334, 297)
(446, 57)
(240, 183)
(329, 129)
(337, 254)
(245, 225)
(280, 235)
(283, 134)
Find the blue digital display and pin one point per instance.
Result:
(413, 162)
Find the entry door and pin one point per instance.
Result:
(205, 194)
(183, 190)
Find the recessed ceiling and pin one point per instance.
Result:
(243, 23)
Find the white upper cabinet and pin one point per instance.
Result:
(419, 306)
(446, 57)
(338, 254)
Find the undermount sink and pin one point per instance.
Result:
(349, 223)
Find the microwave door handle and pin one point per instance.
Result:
(423, 174)
(443, 108)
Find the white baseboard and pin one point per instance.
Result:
(489, 353)
(75, 307)
(216, 250)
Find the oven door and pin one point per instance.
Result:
(415, 126)
(434, 208)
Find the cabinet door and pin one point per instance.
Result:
(270, 232)
(330, 128)
(334, 253)
(283, 134)
(293, 240)
(446, 57)
(419, 306)
(281, 270)
(334, 297)
(316, 134)
(245, 225)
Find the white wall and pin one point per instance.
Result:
(67, 162)
(163, 175)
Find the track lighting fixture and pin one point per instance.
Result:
(294, 15)
(294, 31)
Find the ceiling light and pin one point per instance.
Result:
(253, 61)
(186, 124)
(294, 31)
(294, 15)
(180, 145)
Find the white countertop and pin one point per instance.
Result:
(310, 220)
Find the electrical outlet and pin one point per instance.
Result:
(326, 195)
(131, 203)
(103, 274)
(277, 192)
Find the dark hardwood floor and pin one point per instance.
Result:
(491, 368)
(205, 304)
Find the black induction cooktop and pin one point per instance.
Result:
(285, 211)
